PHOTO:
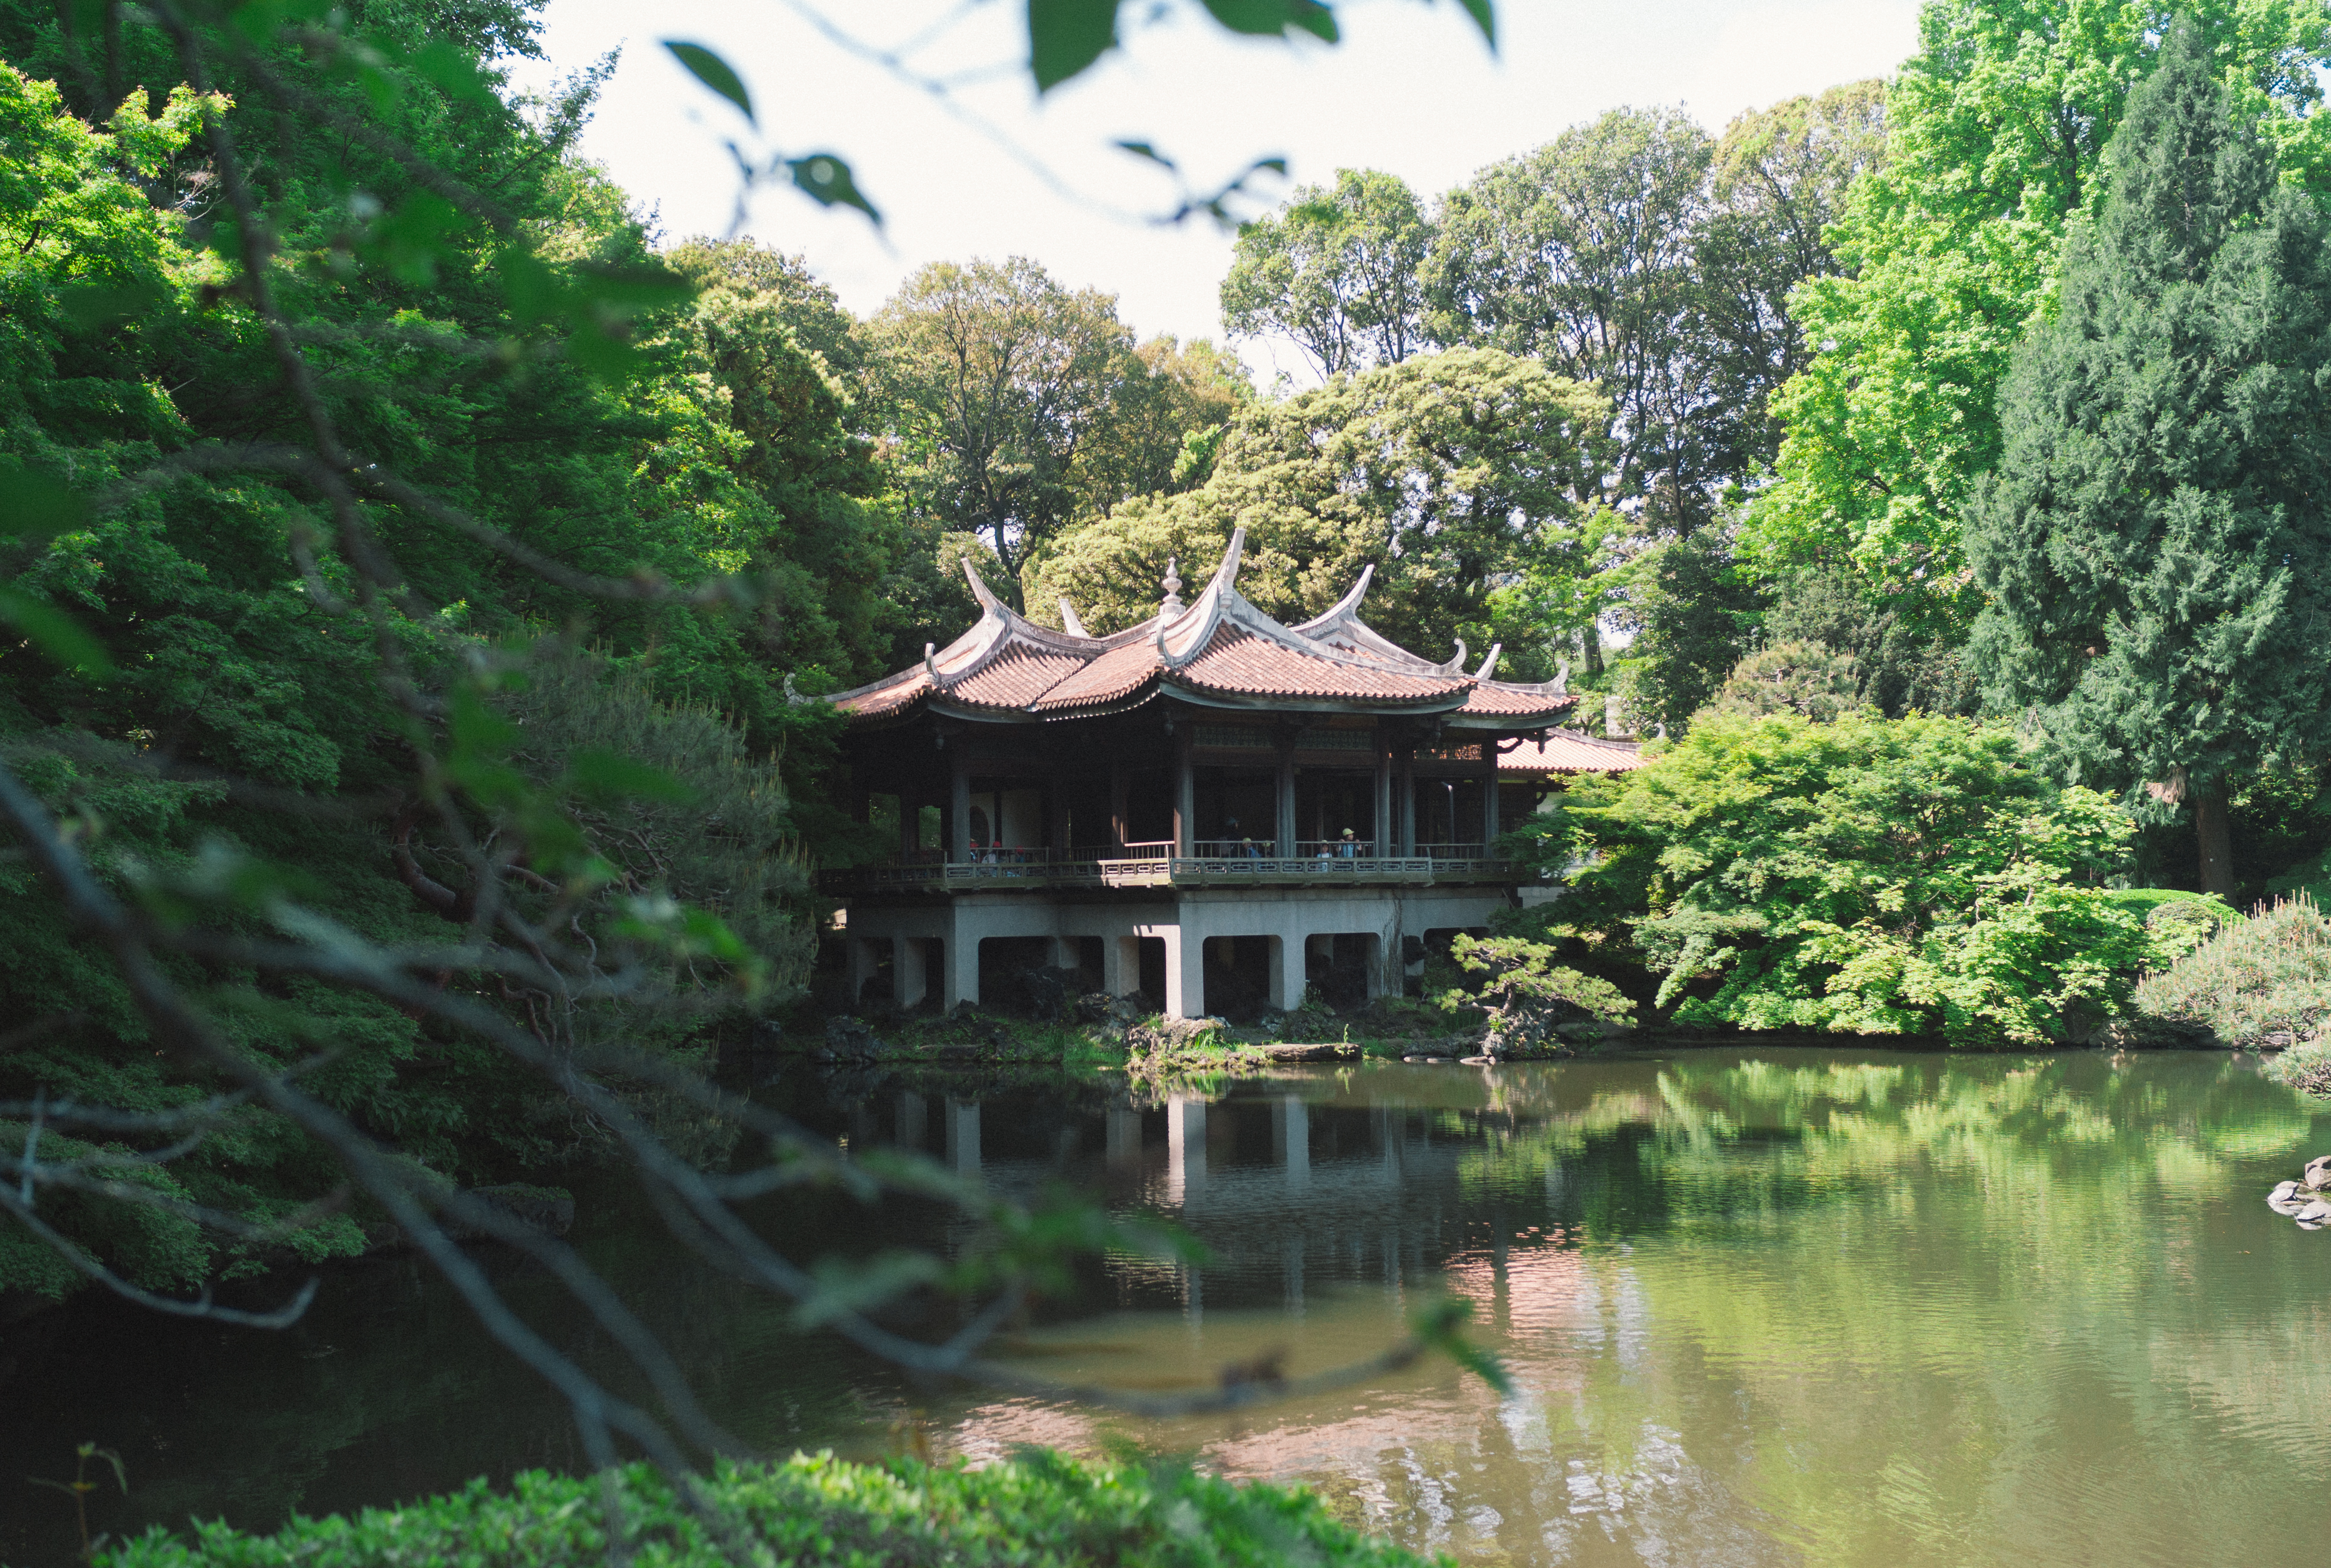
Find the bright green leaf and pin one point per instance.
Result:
(828, 181)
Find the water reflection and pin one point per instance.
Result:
(1762, 1306)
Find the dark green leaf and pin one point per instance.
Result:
(608, 776)
(89, 306)
(1484, 14)
(1142, 149)
(1066, 36)
(1268, 18)
(36, 507)
(828, 180)
(715, 73)
(410, 241)
(54, 633)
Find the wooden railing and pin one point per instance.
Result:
(1155, 865)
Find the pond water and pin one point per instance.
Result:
(1761, 1306)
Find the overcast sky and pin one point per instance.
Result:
(1411, 90)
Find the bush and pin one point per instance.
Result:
(812, 1511)
(1869, 876)
(2262, 981)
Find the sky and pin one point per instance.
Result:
(1413, 89)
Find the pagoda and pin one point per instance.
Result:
(1211, 806)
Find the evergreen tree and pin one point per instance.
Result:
(2155, 545)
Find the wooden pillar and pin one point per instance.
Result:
(1287, 829)
(1489, 794)
(1381, 833)
(1186, 796)
(959, 808)
(1408, 801)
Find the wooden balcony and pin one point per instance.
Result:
(1239, 865)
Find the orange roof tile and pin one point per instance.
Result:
(1568, 751)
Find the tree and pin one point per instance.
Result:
(997, 379)
(1808, 678)
(1994, 133)
(1694, 612)
(1336, 269)
(1452, 474)
(2154, 548)
(1777, 180)
(1581, 254)
(1866, 875)
(1164, 424)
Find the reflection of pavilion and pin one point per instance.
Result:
(1210, 797)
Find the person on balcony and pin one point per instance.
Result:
(1348, 849)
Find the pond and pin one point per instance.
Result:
(1761, 1306)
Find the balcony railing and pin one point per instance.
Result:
(1155, 864)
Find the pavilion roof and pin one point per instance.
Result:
(1218, 651)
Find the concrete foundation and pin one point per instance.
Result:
(1296, 922)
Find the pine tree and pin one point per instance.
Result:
(2155, 546)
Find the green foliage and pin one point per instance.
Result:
(1866, 875)
(2261, 982)
(1996, 132)
(1695, 613)
(1336, 269)
(1451, 473)
(1807, 677)
(2158, 589)
(1527, 995)
(1040, 1510)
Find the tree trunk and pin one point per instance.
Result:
(2217, 844)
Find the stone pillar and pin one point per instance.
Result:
(1186, 973)
(1120, 964)
(864, 960)
(1286, 972)
(1287, 831)
(1068, 953)
(1185, 1150)
(959, 805)
(961, 961)
(1291, 1139)
(1186, 796)
(908, 984)
(910, 1123)
(963, 1136)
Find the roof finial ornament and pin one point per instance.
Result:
(1068, 621)
(931, 669)
(1561, 677)
(1172, 605)
(1490, 663)
(1456, 665)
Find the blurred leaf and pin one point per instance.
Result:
(410, 241)
(828, 180)
(715, 73)
(1066, 36)
(1266, 18)
(54, 633)
(36, 506)
(1442, 1326)
(476, 729)
(855, 1285)
(259, 20)
(89, 306)
(1142, 149)
(607, 776)
(1484, 14)
(452, 70)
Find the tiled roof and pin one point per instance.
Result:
(1568, 751)
(1236, 661)
(1219, 646)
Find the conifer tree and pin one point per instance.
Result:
(2156, 545)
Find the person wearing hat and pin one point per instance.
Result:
(1349, 848)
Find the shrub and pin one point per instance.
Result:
(1870, 876)
(1527, 995)
(2261, 982)
(1040, 1511)
(1808, 678)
